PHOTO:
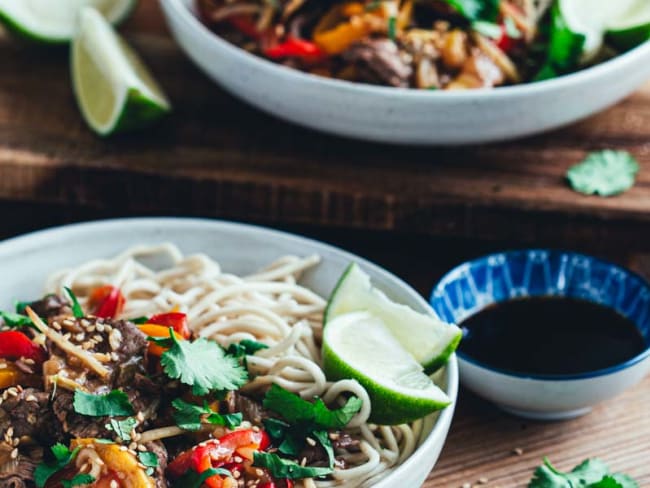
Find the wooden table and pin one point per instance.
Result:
(417, 211)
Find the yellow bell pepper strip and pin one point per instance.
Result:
(335, 32)
(9, 376)
(120, 465)
(153, 330)
(405, 15)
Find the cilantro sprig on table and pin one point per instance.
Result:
(201, 364)
(301, 420)
(605, 173)
(591, 473)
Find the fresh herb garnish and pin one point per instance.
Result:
(21, 306)
(139, 320)
(305, 419)
(192, 479)
(115, 403)
(591, 473)
(283, 468)
(78, 480)
(246, 347)
(122, 428)
(392, 28)
(62, 457)
(201, 364)
(15, 320)
(190, 417)
(605, 173)
(77, 311)
(564, 48)
(296, 410)
(487, 29)
(476, 9)
(512, 31)
(149, 460)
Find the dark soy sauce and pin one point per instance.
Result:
(550, 335)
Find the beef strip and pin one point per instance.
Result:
(51, 306)
(379, 61)
(27, 413)
(158, 448)
(18, 472)
(252, 410)
(125, 348)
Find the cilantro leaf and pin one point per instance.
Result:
(190, 417)
(192, 479)
(605, 173)
(283, 468)
(115, 403)
(616, 481)
(14, 320)
(296, 410)
(122, 428)
(203, 365)
(324, 440)
(139, 320)
(246, 347)
(78, 480)
(149, 460)
(77, 311)
(476, 9)
(584, 475)
(62, 457)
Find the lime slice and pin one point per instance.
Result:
(113, 87)
(625, 20)
(359, 346)
(429, 340)
(632, 27)
(55, 21)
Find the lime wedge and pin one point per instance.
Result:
(429, 340)
(625, 20)
(359, 346)
(55, 21)
(632, 27)
(113, 87)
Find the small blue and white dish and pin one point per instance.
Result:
(502, 277)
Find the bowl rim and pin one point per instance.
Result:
(438, 434)
(567, 81)
(455, 273)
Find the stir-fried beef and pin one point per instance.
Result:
(381, 61)
(74, 425)
(316, 456)
(51, 306)
(25, 413)
(18, 472)
(252, 410)
(158, 448)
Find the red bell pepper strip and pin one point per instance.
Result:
(175, 320)
(106, 302)
(295, 48)
(15, 345)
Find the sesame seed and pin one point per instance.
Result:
(141, 448)
(97, 337)
(31, 398)
(518, 451)
(80, 337)
(3, 365)
(123, 448)
(10, 432)
(14, 454)
(114, 484)
(466, 485)
(303, 462)
(310, 441)
(29, 361)
(115, 339)
(99, 327)
(483, 480)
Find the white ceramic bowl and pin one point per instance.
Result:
(404, 116)
(26, 262)
(500, 277)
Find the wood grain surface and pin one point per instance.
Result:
(215, 156)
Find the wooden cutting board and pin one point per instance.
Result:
(216, 156)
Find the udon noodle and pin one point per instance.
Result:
(269, 306)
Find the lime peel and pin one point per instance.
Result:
(114, 89)
(429, 340)
(360, 346)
